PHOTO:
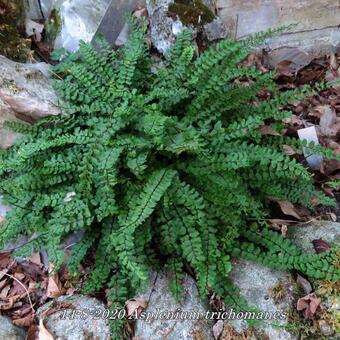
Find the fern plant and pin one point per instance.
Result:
(160, 166)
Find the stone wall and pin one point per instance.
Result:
(316, 29)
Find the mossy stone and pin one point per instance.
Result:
(192, 12)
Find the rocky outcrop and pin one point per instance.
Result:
(26, 94)
(163, 28)
(160, 300)
(268, 290)
(314, 32)
(26, 89)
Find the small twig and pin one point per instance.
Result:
(283, 220)
(26, 290)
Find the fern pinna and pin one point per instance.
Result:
(160, 164)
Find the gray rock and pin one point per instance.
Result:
(216, 30)
(255, 283)
(314, 33)
(10, 332)
(315, 42)
(161, 300)
(303, 235)
(25, 94)
(26, 89)
(77, 328)
(163, 29)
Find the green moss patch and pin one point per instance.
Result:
(192, 12)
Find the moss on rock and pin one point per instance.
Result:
(192, 12)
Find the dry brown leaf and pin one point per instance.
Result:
(19, 276)
(4, 289)
(289, 209)
(44, 334)
(329, 166)
(3, 273)
(268, 130)
(70, 291)
(135, 304)
(294, 120)
(329, 122)
(304, 284)
(26, 321)
(141, 12)
(5, 258)
(24, 311)
(54, 287)
(35, 258)
(289, 151)
(320, 246)
(10, 303)
(333, 217)
(309, 304)
(284, 230)
(334, 71)
(33, 332)
(288, 61)
(333, 63)
(18, 288)
(31, 270)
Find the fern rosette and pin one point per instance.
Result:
(160, 166)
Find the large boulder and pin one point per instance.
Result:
(26, 94)
(303, 235)
(161, 300)
(10, 332)
(260, 287)
(65, 325)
